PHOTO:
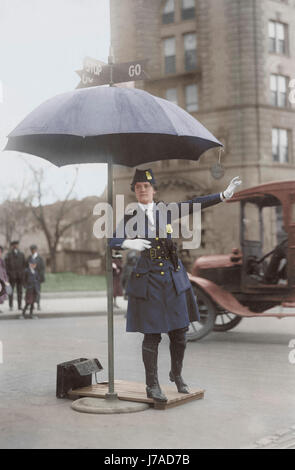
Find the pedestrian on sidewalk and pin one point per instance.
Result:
(40, 268)
(32, 285)
(15, 264)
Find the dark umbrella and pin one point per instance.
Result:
(110, 125)
(92, 124)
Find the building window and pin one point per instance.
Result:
(190, 51)
(280, 145)
(278, 90)
(171, 95)
(188, 9)
(168, 12)
(277, 33)
(191, 98)
(169, 54)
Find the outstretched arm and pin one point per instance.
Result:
(212, 199)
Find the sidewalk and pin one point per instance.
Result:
(68, 304)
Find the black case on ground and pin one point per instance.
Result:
(75, 374)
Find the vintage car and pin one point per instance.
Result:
(241, 284)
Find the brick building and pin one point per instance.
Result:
(229, 63)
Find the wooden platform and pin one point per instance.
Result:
(134, 391)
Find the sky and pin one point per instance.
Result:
(42, 44)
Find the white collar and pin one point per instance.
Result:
(148, 206)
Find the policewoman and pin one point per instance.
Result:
(160, 295)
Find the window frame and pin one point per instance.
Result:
(275, 48)
(189, 53)
(188, 105)
(169, 16)
(176, 95)
(188, 13)
(278, 155)
(275, 94)
(168, 58)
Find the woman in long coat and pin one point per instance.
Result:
(160, 296)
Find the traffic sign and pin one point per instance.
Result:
(96, 72)
(129, 71)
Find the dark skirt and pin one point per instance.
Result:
(118, 292)
(31, 296)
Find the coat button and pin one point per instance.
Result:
(159, 257)
(137, 275)
(162, 273)
(160, 264)
(158, 247)
(157, 238)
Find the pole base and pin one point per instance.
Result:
(107, 406)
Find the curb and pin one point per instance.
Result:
(40, 316)
(73, 294)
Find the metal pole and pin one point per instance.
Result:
(111, 394)
(111, 62)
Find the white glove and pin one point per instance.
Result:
(138, 244)
(229, 192)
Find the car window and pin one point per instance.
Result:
(251, 222)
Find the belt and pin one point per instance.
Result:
(154, 253)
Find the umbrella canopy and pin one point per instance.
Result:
(98, 124)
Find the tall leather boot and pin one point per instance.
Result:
(150, 360)
(177, 349)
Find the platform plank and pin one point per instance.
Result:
(135, 391)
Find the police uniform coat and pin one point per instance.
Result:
(160, 295)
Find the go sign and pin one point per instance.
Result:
(134, 70)
(129, 71)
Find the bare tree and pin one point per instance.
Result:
(15, 216)
(55, 219)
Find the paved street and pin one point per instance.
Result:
(249, 384)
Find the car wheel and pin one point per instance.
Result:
(226, 321)
(208, 311)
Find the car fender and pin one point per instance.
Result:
(221, 297)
